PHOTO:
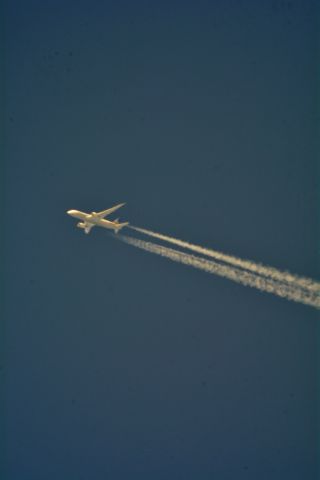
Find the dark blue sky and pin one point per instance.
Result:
(202, 116)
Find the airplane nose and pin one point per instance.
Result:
(70, 212)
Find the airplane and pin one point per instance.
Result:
(92, 219)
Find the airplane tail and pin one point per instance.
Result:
(121, 225)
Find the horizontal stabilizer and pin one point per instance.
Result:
(120, 225)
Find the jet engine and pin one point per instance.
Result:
(81, 225)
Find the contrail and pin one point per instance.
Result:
(243, 277)
(266, 271)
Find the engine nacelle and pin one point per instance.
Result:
(81, 225)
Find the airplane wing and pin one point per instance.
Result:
(104, 213)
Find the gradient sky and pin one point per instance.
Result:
(202, 116)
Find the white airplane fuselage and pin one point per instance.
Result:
(90, 220)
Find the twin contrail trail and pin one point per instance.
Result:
(263, 270)
(238, 275)
(266, 279)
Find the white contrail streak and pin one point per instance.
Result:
(284, 290)
(266, 271)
